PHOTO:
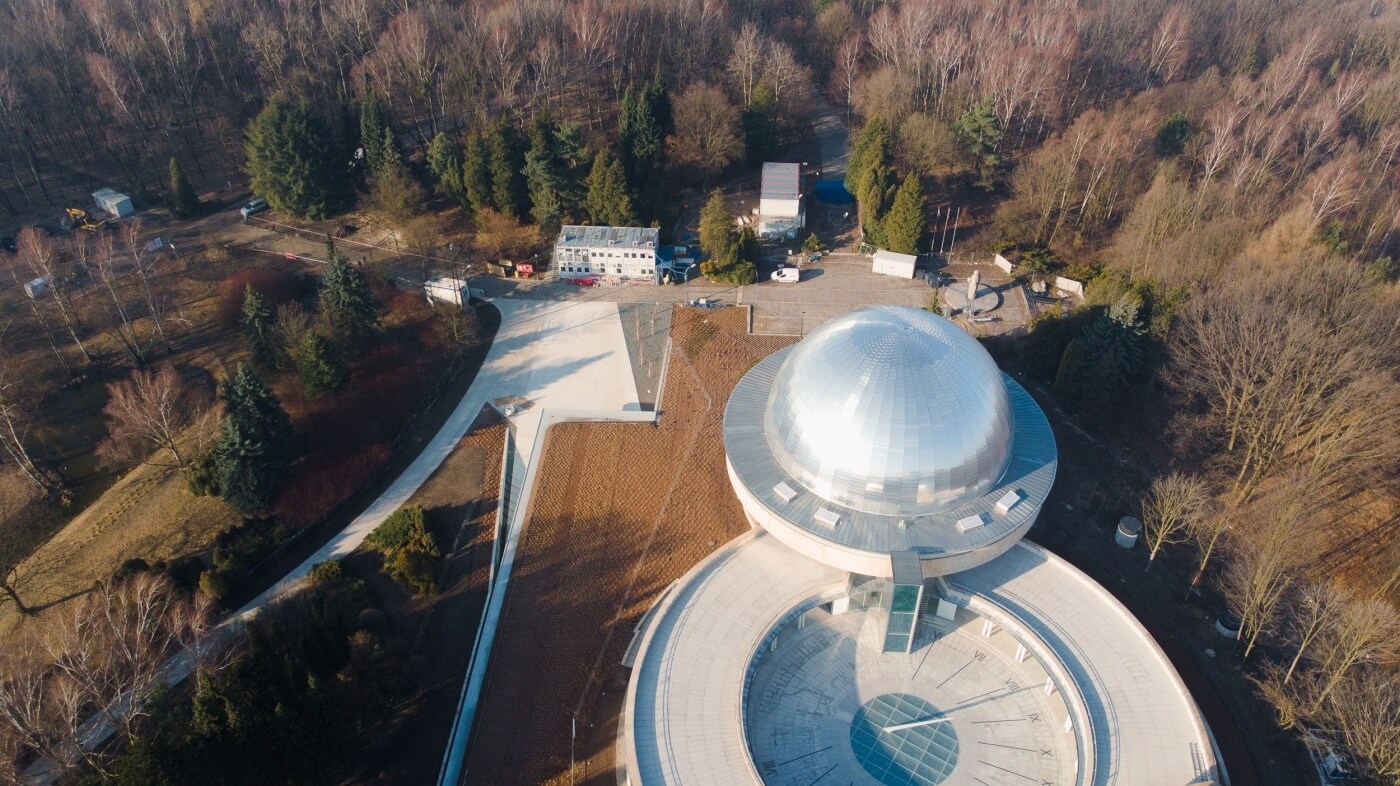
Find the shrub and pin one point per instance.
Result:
(215, 583)
(275, 286)
(202, 476)
(328, 572)
(410, 552)
(404, 530)
(130, 568)
(813, 244)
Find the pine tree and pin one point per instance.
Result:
(1099, 366)
(376, 134)
(291, 162)
(184, 202)
(544, 175)
(659, 101)
(980, 129)
(476, 172)
(254, 445)
(608, 201)
(506, 163)
(868, 176)
(574, 163)
(761, 123)
(257, 330)
(716, 226)
(903, 226)
(640, 133)
(322, 369)
(445, 164)
(872, 150)
(394, 188)
(717, 233)
(346, 303)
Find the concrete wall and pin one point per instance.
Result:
(1002, 263)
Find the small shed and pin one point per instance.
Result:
(891, 264)
(113, 202)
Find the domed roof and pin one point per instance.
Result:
(892, 411)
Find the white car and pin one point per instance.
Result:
(786, 275)
(256, 206)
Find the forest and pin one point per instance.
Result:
(1221, 176)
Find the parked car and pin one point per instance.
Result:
(786, 275)
(256, 206)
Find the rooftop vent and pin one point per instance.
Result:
(785, 492)
(970, 523)
(1008, 501)
(829, 518)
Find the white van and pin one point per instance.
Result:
(786, 275)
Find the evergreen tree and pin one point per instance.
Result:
(872, 150)
(322, 369)
(545, 175)
(396, 192)
(376, 134)
(346, 302)
(608, 201)
(184, 202)
(761, 123)
(1172, 135)
(1099, 366)
(980, 130)
(659, 101)
(716, 226)
(574, 165)
(291, 162)
(903, 226)
(257, 329)
(869, 175)
(640, 133)
(254, 445)
(445, 164)
(506, 163)
(476, 172)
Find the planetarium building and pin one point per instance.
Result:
(883, 621)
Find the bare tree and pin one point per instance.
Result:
(40, 254)
(746, 62)
(17, 410)
(119, 321)
(143, 263)
(1259, 571)
(707, 130)
(1314, 609)
(1205, 533)
(108, 652)
(1362, 631)
(848, 69)
(1172, 506)
(150, 410)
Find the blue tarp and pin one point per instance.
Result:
(834, 191)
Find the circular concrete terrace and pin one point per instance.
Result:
(686, 713)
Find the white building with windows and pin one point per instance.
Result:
(624, 253)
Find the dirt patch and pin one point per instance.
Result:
(460, 502)
(620, 512)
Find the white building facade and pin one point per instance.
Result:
(623, 253)
(781, 212)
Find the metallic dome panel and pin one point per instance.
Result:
(891, 411)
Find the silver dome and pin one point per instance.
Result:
(892, 411)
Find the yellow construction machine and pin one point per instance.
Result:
(78, 218)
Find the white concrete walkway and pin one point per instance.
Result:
(552, 354)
